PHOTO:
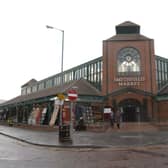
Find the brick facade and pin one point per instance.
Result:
(140, 88)
(162, 110)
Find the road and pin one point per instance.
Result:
(15, 154)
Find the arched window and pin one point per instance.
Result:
(128, 61)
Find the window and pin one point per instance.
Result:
(28, 90)
(128, 61)
(41, 86)
(34, 88)
(23, 91)
(49, 83)
(57, 80)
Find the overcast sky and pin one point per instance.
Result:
(29, 50)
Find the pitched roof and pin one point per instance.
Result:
(83, 88)
(30, 82)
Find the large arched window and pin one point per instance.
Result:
(128, 61)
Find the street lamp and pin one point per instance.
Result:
(62, 58)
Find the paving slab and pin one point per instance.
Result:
(83, 139)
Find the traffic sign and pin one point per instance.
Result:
(72, 95)
(61, 96)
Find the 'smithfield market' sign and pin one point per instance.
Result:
(129, 81)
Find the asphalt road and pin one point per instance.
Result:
(16, 154)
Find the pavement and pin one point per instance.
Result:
(109, 137)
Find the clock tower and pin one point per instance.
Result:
(129, 74)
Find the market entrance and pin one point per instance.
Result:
(131, 110)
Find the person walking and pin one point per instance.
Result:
(112, 118)
(118, 118)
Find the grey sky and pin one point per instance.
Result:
(29, 50)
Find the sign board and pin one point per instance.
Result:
(61, 97)
(59, 102)
(107, 110)
(72, 95)
(129, 81)
(55, 113)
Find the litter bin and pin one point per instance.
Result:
(64, 133)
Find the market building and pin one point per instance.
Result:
(129, 76)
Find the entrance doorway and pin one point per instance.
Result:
(131, 110)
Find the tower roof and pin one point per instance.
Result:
(128, 31)
(127, 28)
(128, 23)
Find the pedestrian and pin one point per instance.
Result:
(81, 125)
(118, 118)
(112, 118)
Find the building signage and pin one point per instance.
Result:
(129, 81)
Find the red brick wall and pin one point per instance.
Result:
(163, 110)
(138, 97)
(146, 49)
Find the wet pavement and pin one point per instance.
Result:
(82, 139)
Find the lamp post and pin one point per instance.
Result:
(62, 58)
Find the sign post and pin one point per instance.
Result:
(72, 96)
(64, 134)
